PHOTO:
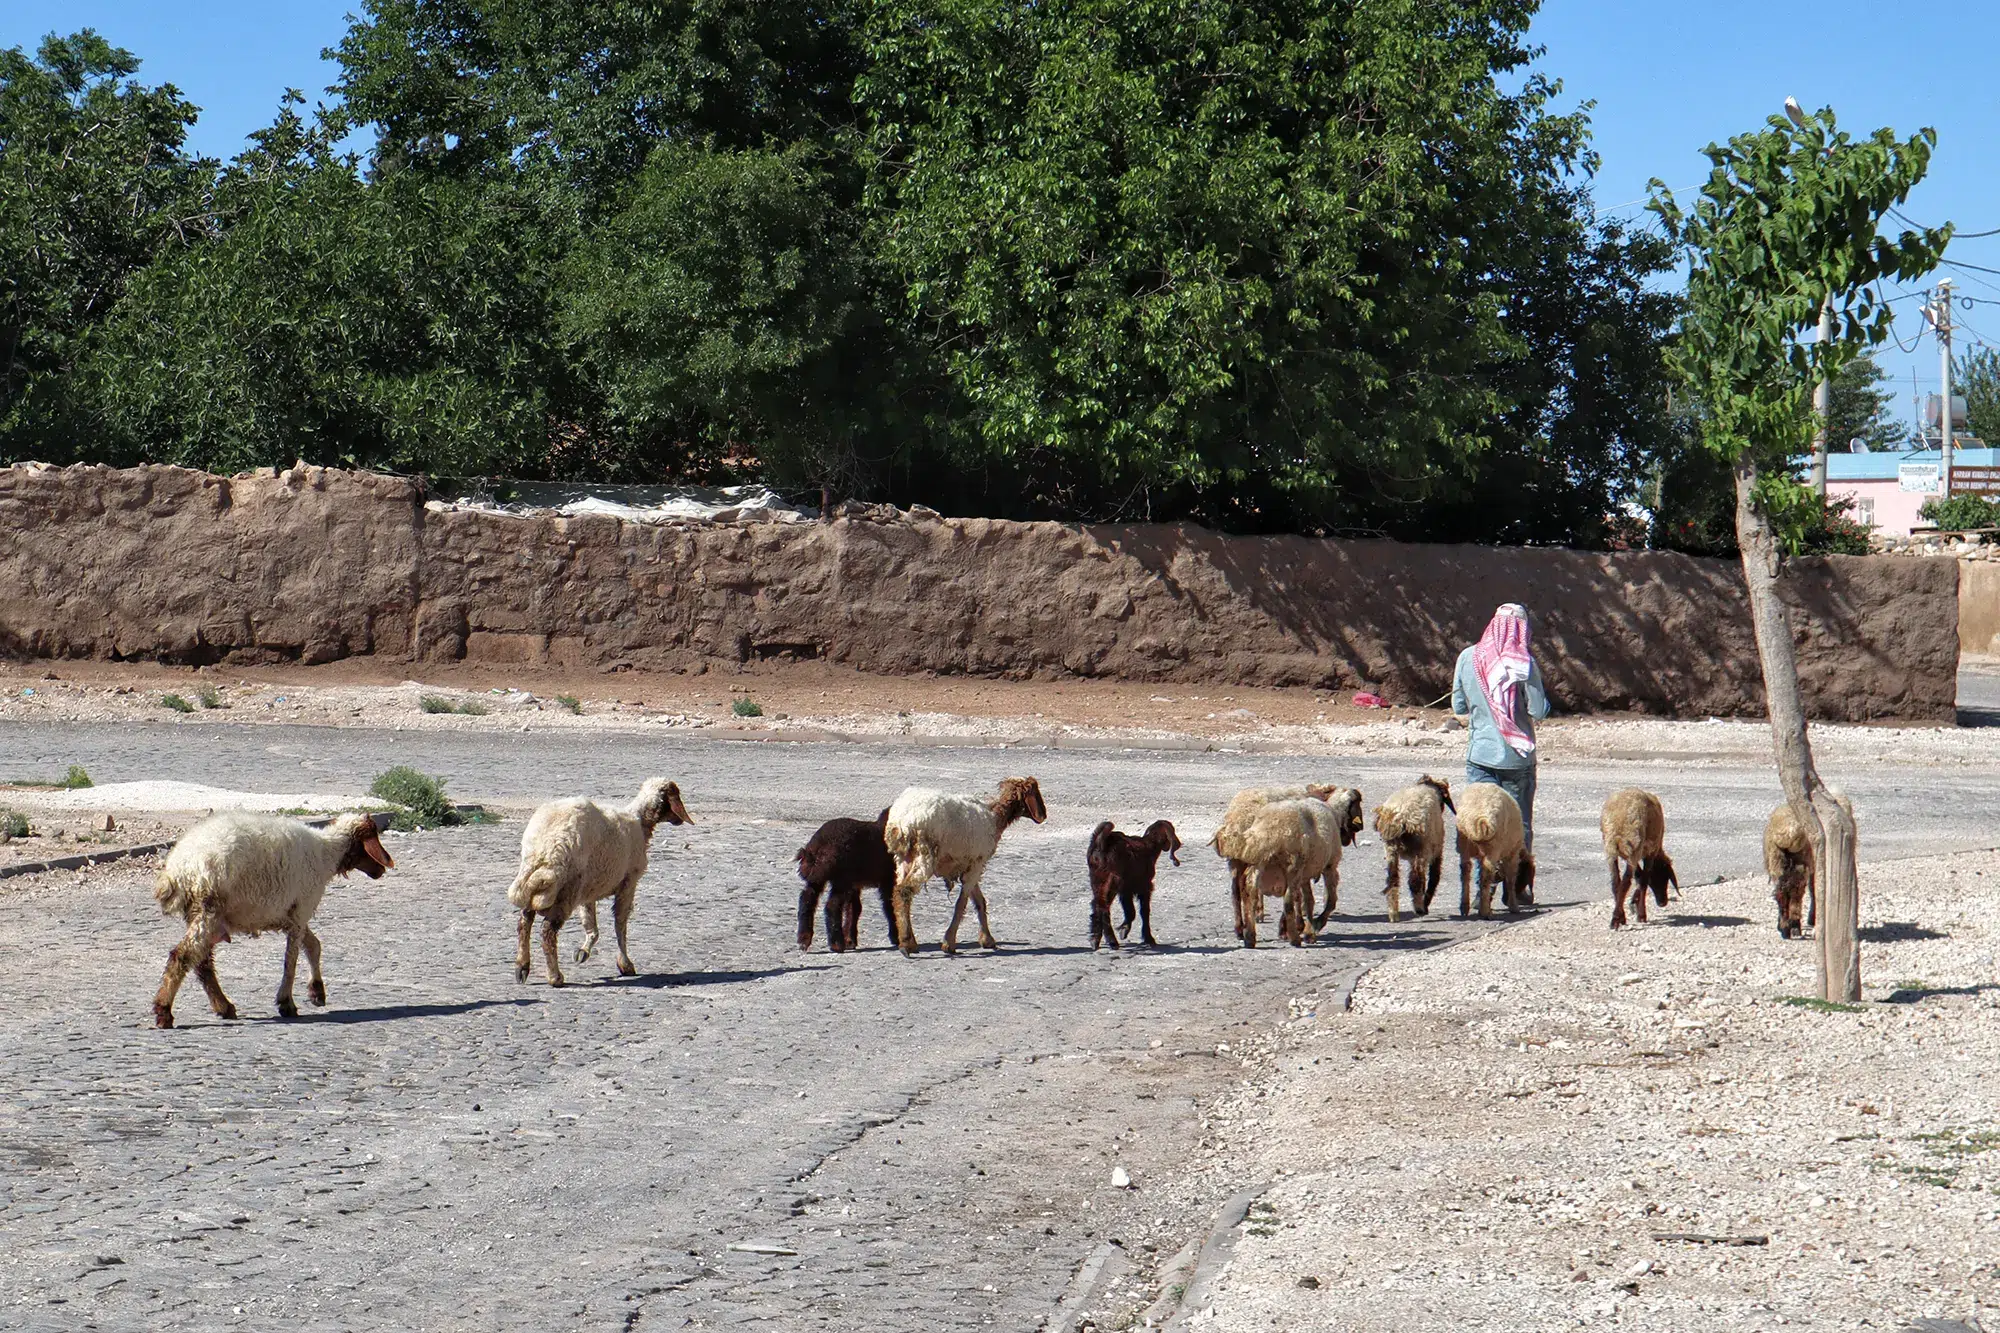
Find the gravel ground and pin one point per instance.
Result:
(935, 1140)
(1501, 1135)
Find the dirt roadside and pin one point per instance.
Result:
(1558, 1126)
(808, 701)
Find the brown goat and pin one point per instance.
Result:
(843, 857)
(1122, 866)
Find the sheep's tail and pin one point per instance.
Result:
(1100, 842)
(1479, 825)
(534, 889)
(170, 894)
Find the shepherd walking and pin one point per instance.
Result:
(1497, 690)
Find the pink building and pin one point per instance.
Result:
(1886, 487)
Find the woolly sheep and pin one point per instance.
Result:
(576, 852)
(1244, 808)
(1634, 827)
(938, 835)
(1411, 826)
(238, 873)
(1490, 836)
(1287, 846)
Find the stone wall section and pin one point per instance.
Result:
(312, 564)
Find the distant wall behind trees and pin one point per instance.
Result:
(1271, 265)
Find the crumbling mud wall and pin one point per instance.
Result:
(310, 565)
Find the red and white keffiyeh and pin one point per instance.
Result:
(1502, 661)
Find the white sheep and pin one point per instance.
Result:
(239, 873)
(1411, 826)
(934, 834)
(576, 852)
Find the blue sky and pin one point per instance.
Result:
(1666, 80)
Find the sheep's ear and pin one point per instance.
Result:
(677, 812)
(371, 843)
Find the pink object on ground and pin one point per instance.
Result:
(1367, 700)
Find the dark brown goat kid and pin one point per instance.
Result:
(1122, 866)
(841, 859)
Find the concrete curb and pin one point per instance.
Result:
(1215, 1251)
(82, 861)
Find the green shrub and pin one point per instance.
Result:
(746, 708)
(571, 702)
(1961, 513)
(421, 799)
(76, 779)
(14, 824)
(209, 697)
(176, 702)
(437, 703)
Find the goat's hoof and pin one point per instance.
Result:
(286, 1009)
(950, 948)
(625, 969)
(582, 956)
(556, 981)
(163, 1017)
(316, 992)
(521, 972)
(989, 943)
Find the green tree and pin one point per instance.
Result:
(1863, 410)
(94, 184)
(1789, 219)
(393, 325)
(1245, 258)
(1977, 375)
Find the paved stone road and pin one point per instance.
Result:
(444, 1149)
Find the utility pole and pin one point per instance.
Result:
(1941, 320)
(1822, 404)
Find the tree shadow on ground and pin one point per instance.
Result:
(1914, 994)
(1898, 932)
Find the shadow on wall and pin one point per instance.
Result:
(311, 564)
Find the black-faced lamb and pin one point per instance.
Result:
(1411, 826)
(1490, 838)
(1788, 860)
(841, 859)
(574, 854)
(239, 873)
(1121, 867)
(1634, 827)
(938, 835)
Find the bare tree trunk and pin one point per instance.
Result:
(1826, 819)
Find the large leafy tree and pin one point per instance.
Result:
(392, 325)
(94, 184)
(1789, 219)
(1251, 258)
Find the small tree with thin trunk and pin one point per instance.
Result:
(1788, 219)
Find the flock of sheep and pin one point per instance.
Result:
(242, 873)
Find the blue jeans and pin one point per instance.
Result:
(1518, 783)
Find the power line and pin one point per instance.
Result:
(1976, 268)
(1956, 236)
